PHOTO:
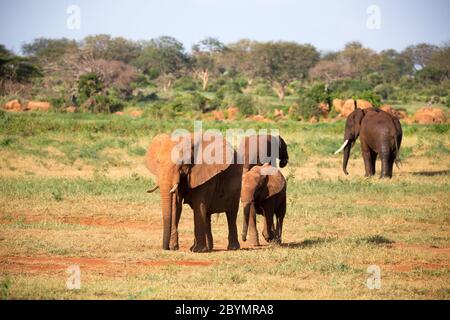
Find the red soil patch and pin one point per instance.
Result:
(410, 266)
(55, 263)
(418, 247)
(87, 221)
(106, 222)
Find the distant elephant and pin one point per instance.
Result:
(263, 192)
(380, 134)
(253, 147)
(207, 188)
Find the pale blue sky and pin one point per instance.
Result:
(326, 24)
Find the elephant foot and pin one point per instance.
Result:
(200, 248)
(254, 242)
(268, 237)
(234, 246)
(276, 241)
(174, 247)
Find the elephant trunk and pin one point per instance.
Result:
(166, 204)
(346, 157)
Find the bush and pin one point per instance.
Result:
(89, 84)
(262, 88)
(244, 103)
(348, 88)
(384, 90)
(375, 79)
(192, 101)
(228, 86)
(407, 82)
(144, 94)
(306, 108)
(186, 84)
(370, 96)
(317, 93)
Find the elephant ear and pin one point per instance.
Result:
(358, 115)
(212, 155)
(275, 180)
(152, 160)
(283, 153)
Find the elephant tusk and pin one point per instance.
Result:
(174, 188)
(152, 189)
(342, 147)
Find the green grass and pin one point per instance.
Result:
(73, 186)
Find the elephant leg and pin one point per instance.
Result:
(280, 213)
(386, 165)
(233, 242)
(174, 236)
(200, 227)
(392, 157)
(252, 228)
(209, 237)
(366, 154)
(373, 160)
(268, 231)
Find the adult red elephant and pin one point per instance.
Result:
(184, 174)
(380, 134)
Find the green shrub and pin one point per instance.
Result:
(89, 84)
(384, 90)
(317, 93)
(305, 108)
(243, 102)
(370, 96)
(346, 89)
(192, 101)
(144, 94)
(186, 84)
(375, 79)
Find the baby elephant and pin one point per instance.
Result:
(263, 192)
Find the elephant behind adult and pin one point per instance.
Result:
(256, 150)
(264, 193)
(183, 174)
(380, 134)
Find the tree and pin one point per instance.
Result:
(393, 65)
(44, 51)
(354, 61)
(103, 46)
(15, 71)
(420, 54)
(164, 57)
(440, 60)
(361, 60)
(205, 54)
(238, 58)
(283, 62)
(115, 75)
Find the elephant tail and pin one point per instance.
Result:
(397, 160)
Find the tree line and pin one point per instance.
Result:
(104, 70)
